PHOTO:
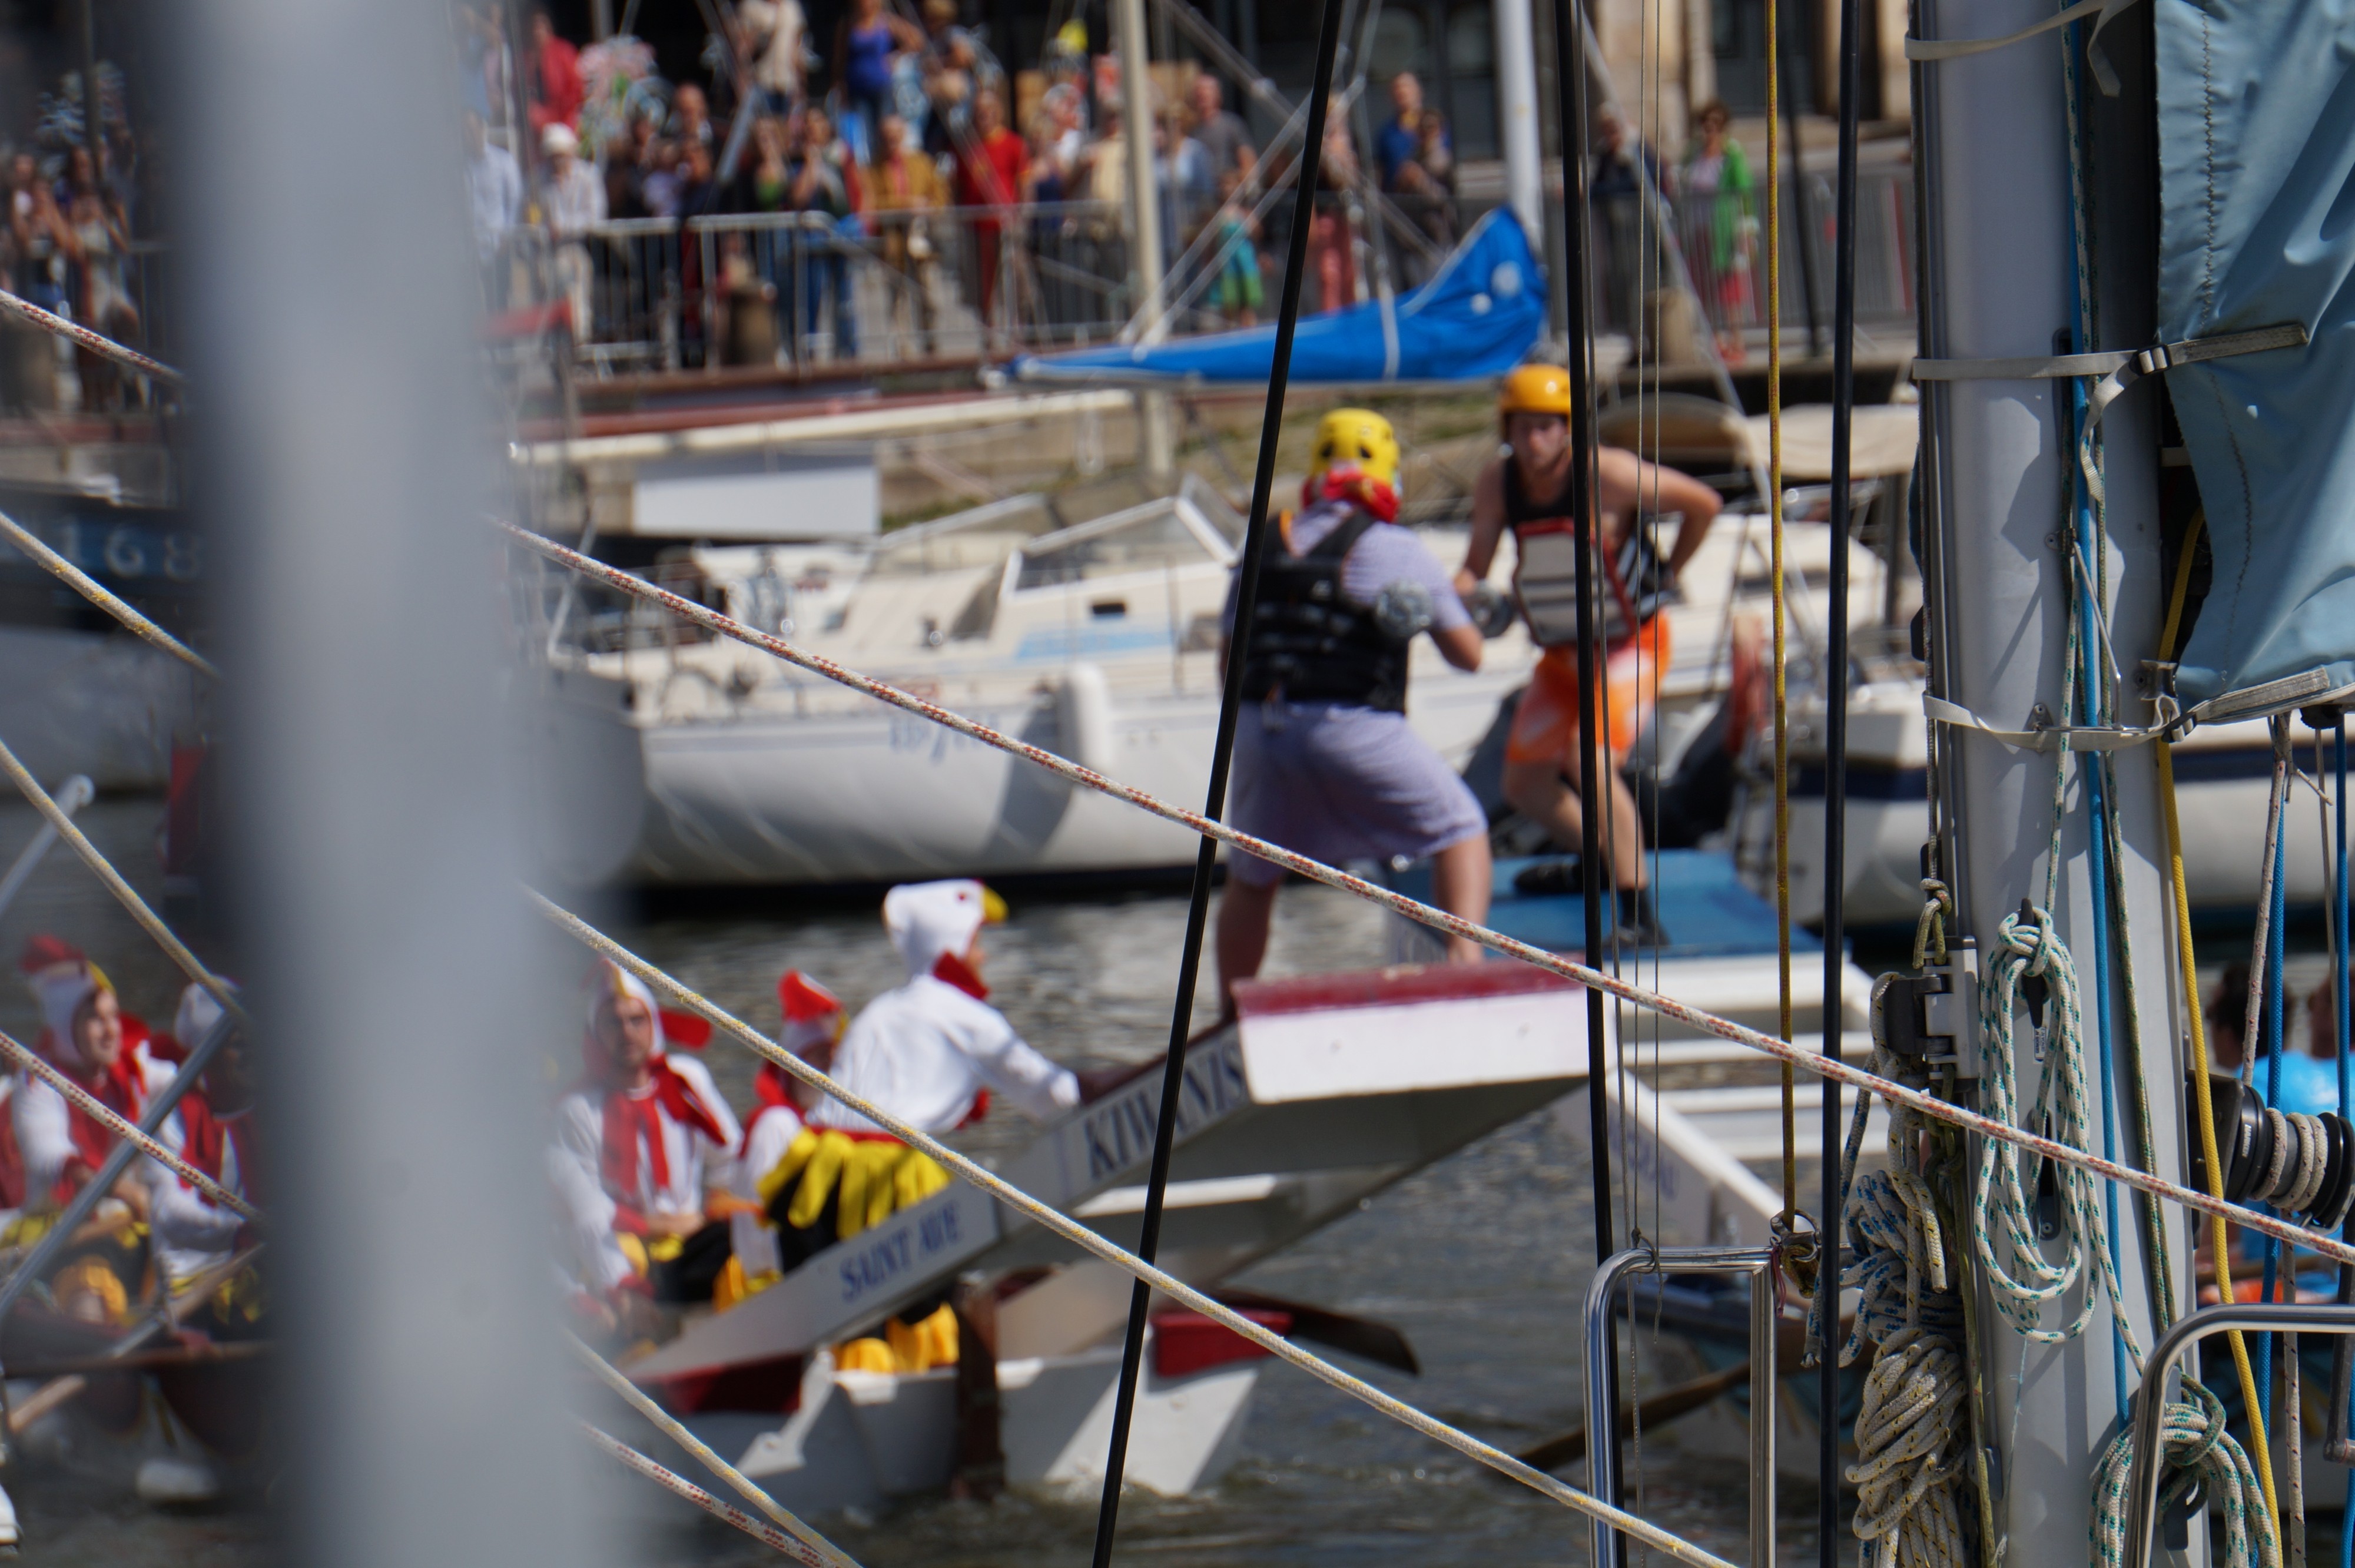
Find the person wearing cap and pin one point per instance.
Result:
(1324, 763)
(813, 1021)
(572, 201)
(652, 1132)
(1527, 489)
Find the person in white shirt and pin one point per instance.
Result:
(775, 32)
(652, 1132)
(212, 1129)
(493, 188)
(573, 202)
(929, 1052)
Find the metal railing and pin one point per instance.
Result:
(806, 289)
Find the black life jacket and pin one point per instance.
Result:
(1308, 643)
(1545, 571)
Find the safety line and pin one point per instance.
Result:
(1438, 920)
(106, 347)
(1120, 1257)
(829, 1556)
(728, 1512)
(89, 588)
(148, 920)
(129, 1132)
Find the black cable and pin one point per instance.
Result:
(1828, 1228)
(1189, 963)
(1569, 91)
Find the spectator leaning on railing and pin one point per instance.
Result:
(572, 202)
(990, 175)
(904, 184)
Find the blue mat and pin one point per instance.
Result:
(1702, 901)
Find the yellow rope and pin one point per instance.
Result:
(2218, 1237)
(1774, 535)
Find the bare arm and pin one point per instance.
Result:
(1459, 645)
(1628, 483)
(1487, 527)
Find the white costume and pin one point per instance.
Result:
(648, 1150)
(926, 1050)
(192, 1234)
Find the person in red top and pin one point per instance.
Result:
(551, 78)
(990, 170)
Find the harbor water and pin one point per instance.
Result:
(1481, 1259)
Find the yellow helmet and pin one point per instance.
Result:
(1535, 390)
(1355, 438)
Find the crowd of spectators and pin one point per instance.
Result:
(68, 247)
(919, 172)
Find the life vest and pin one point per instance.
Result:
(1311, 645)
(1545, 571)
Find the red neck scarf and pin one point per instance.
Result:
(629, 1118)
(119, 1088)
(952, 970)
(208, 1139)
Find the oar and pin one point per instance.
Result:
(1659, 1410)
(59, 1390)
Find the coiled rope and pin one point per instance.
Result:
(2004, 1225)
(2193, 1432)
(1909, 1445)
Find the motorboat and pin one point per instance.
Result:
(1095, 639)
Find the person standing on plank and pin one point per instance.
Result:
(1325, 764)
(1527, 490)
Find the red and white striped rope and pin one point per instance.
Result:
(97, 1110)
(683, 1488)
(26, 311)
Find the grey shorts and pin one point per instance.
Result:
(1340, 783)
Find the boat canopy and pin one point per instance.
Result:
(2256, 124)
(1478, 316)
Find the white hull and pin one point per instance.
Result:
(862, 1438)
(1099, 650)
(2222, 777)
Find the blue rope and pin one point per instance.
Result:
(2340, 1032)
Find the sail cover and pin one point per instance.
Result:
(2256, 122)
(1477, 317)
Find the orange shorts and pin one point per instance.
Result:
(1545, 726)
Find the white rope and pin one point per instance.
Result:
(2195, 1439)
(81, 583)
(811, 1547)
(679, 1485)
(2335, 1248)
(105, 347)
(1910, 1450)
(2003, 1222)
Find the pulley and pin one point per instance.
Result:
(2302, 1165)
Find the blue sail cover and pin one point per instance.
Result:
(2256, 122)
(1477, 317)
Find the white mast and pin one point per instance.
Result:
(1997, 253)
(1517, 85)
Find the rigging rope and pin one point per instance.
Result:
(105, 347)
(680, 1486)
(1775, 549)
(99, 1111)
(81, 583)
(1597, 980)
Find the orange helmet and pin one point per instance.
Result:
(1534, 389)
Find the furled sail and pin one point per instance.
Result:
(2256, 122)
(1478, 316)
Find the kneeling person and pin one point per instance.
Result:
(1324, 761)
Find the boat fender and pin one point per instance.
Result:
(1084, 717)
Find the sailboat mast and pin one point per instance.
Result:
(2000, 253)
